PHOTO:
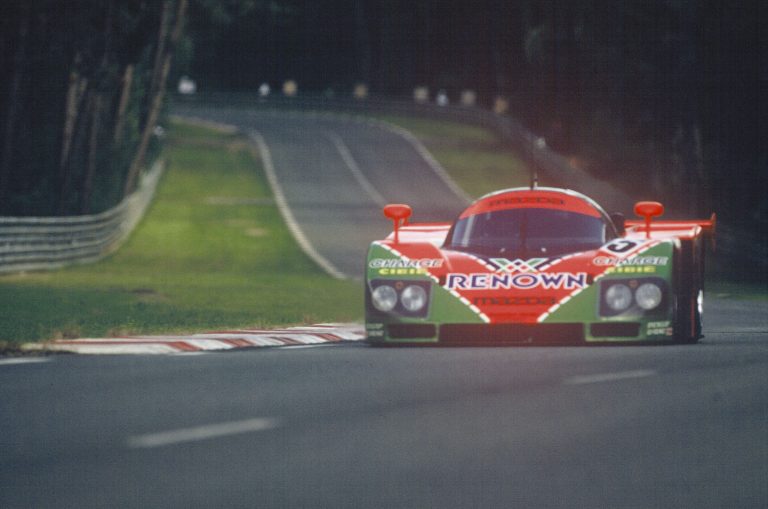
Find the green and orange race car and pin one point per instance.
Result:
(537, 266)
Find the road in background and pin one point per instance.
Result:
(336, 174)
(355, 426)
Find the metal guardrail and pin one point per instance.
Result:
(43, 243)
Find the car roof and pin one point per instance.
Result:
(539, 197)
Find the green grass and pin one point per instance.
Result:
(475, 157)
(735, 287)
(211, 253)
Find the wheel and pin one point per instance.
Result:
(687, 324)
(689, 293)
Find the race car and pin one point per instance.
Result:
(537, 266)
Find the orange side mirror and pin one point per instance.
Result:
(648, 210)
(399, 214)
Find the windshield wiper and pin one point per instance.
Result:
(524, 234)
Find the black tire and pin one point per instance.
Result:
(689, 284)
(687, 325)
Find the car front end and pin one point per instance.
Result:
(597, 296)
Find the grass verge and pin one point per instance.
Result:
(476, 158)
(212, 252)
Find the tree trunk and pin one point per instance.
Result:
(74, 95)
(703, 178)
(162, 38)
(93, 153)
(156, 101)
(79, 132)
(122, 107)
(75, 100)
(13, 102)
(103, 82)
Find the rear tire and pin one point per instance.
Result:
(689, 284)
(687, 325)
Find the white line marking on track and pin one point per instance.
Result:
(608, 377)
(302, 347)
(285, 211)
(23, 360)
(361, 179)
(428, 158)
(198, 433)
(115, 349)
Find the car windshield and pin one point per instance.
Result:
(527, 232)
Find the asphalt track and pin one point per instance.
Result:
(353, 426)
(337, 173)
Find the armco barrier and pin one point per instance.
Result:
(39, 243)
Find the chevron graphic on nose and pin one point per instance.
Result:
(518, 265)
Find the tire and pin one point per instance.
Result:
(689, 284)
(687, 326)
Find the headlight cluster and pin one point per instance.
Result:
(414, 298)
(620, 296)
(648, 296)
(384, 298)
(404, 297)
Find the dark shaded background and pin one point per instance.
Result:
(667, 93)
(661, 96)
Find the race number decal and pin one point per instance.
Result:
(620, 246)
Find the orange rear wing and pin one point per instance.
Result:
(672, 228)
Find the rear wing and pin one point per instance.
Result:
(687, 230)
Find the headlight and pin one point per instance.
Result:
(648, 296)
(413, 298)
(618, 297)
(384, 298)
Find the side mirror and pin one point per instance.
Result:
(648, 210)
(619, 221)
(399, 215)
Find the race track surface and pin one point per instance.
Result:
(336, 175)
(351, 426)
(354, 426)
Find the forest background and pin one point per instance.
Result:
(667, 95)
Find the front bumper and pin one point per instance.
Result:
(519, 334)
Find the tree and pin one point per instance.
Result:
(83, 81)
(169, 35)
